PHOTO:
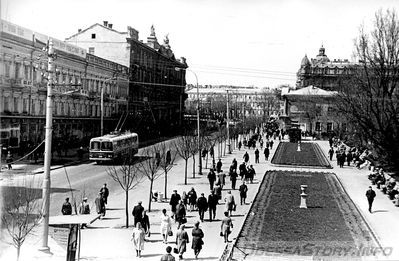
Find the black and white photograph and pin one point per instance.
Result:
(226, 130)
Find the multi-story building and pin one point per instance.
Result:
(323, 73)
(157, 80)
(79, 80)
(243, 102)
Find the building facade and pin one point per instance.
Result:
(79, 80)
(157, 78)
(323, 73)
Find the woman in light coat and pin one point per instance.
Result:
(166, 226)
(138, 237)
(181, 241)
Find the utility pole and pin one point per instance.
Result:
(102, 110)
(47, 152)
(228, 125)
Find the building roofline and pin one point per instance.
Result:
(90, 27)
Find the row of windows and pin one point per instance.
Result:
(38, 107)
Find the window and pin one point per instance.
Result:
(93, 36)
(7, 69)
(17, 66)
(27, 72)
(16, 104)
(318, 126)
(329, 126)
(106, 146)
(95, 145)
(91, 50)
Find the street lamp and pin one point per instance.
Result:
(198, 120)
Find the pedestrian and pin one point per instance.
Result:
(166, 226)
(370, 194)
(261, 143)
(100, 204)
(256, 155)
(226, 226)
(197, 242)
(84, 208)
(80, 153)
(105, 192)
(184, 199)
(168, 256)
(145, 223)
(192, 199)
(218, 190)
(234, 164)
(331, 152)
(239, 145)
(181, 241)
(212, 203)
(243, 193)
(66, 207)
(9, 160)
(271, 144)
(202, 205)
(211, 178)
(243, 170)
(233, 179)
(343, 159)
(252, 173)
(349, 158)
(174, 200)
(168, 157)
(230, 204)
(221, 179)
(180, 217)
(219, 166)
(246, 157)
(138, 237)
(266, 152)
(138, 213)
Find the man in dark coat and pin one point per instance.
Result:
(246, 157)
(202, 205)
(105, 193)
(234, 164)
(180, 213)
(211, 178)
(370, 194)
(243, 170)
(233, 178)
(243, 192)
(138, 213)
(66, 207)
(212, 203)
(256, 155)
(267, 153)
(331, 153)
(174, 200)
(219, 166)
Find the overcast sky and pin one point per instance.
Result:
(234, 42)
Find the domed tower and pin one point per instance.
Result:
(322, 57)
(303, 71)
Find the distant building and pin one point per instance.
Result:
(244, 102)
(157, 78)
(79, 79)
(322, 72)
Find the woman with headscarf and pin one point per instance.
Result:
(226, 226)
(166, 226)
(197, 242)
(138, 237)
(181, 241)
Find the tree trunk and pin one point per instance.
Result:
(149, 202)
(206, 161)
(166, 184)
(18, 251)
(194, 166)
(127, 207)
(185, 172)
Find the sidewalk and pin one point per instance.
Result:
(383, 221)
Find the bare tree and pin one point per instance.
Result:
(127, 175)
(150, 166)
(193, 151)
(21, 213)
(183, 146)
(166, 163)
(370, 99)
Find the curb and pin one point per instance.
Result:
(74, 163)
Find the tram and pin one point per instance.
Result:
(113, 146)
